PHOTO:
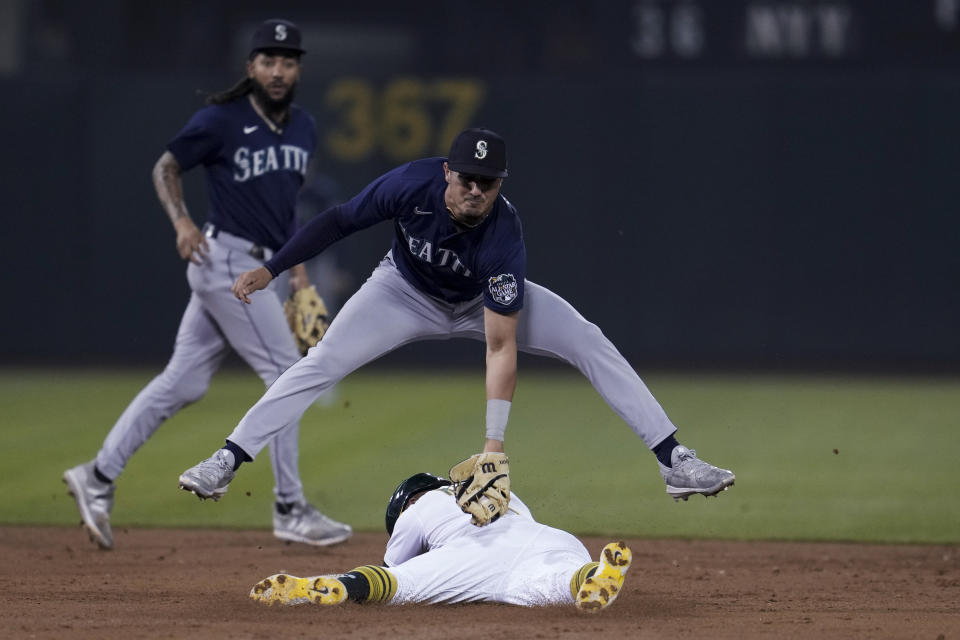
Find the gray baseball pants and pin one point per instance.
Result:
(213, 322)
(387, 312)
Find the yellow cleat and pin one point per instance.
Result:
(602, 588)
(291, 590)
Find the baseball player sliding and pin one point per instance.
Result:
(254, 145)
(435, 555)
(457, 268)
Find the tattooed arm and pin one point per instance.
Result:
(191, 244)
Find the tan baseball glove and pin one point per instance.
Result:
(307, 317)
(481, 485)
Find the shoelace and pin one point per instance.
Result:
(219, 462)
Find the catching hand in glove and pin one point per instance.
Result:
(481, 485)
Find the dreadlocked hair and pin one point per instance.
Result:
(240, 89)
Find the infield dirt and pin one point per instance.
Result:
(190, 583)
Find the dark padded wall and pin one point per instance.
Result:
(726, 208)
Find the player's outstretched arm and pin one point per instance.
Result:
(191, 243)
(250, 281)
(501, 378)
(482, 481)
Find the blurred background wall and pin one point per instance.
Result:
(768, 184)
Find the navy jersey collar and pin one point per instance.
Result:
(462, 228)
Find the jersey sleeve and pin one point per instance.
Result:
(199, 142)
(408, 539)
(503, 281)
(378, 201)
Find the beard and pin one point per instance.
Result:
(269, 104)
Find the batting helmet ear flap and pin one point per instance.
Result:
(416, 483)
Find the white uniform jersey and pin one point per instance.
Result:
(437, 556)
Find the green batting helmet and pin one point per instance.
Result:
(408, 488)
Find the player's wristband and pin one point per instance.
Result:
(497, 413)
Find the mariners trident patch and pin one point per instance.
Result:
(503, 288)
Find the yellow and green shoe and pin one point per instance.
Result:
(602, 588)
(291, 590)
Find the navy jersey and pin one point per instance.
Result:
(434, 254)
(253, 174)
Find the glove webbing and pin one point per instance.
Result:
(489, 484)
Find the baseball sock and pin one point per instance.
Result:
(581, 575)
(239, 455)
(664, 449)
(370, 583)
(102, 478)
(283, 508)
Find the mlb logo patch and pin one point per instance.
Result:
(503, 288)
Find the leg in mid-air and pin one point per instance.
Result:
(197, 354)
(261, 336)
(385, 313)
(550, 326)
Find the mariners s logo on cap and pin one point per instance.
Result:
(478, 152)
(503, 288)
(277, 34)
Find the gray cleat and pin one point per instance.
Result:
(305, 524)
(94, 500)
(210, 478)
(690, 475)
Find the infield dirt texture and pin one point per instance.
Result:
(194, 584)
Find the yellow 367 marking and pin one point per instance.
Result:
(409, 118)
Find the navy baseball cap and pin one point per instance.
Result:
(478, 152)
(276, 34)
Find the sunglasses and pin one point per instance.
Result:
(484, 183)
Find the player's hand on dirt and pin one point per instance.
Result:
(481, 485)
(191, 243)
(250, 281)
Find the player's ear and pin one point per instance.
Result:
(446, 172)
(250, 67)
